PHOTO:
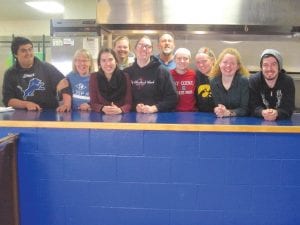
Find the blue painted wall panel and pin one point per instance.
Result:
(171, 144)
(239, 217)
(237, 198)
(143, 217)
(92, 215)
(63, 141)
(184, 217)
(198, 171)
(277, 146)
(276, 199)
(90, 168)
(266, 172)
(226, 145)
(43, 166)
(82, 176)
(210, 197)
(239, 171)
(114, 142)
(112, 194)
(290, 173)
(143, 169)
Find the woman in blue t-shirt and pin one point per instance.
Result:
(79, 79)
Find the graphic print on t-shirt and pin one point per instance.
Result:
(204, 91)
(33, 85)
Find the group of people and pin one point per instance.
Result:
(148, 83)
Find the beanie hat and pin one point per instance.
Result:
(274, 53)
(17, 42)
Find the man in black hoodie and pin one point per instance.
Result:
(153, 89)
(272, 91)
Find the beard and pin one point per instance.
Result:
(167, 51)
(272, 77)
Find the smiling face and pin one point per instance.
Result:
(82, 64)
(270, 68)
(182, 60)
(122, 48)
(229, 65)
(108, 63)
(143, 49)
(166, 44)
(204, 63)
(25, 55)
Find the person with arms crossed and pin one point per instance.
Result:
(32, 84)
(272, 91)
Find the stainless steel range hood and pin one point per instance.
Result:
(226, 16)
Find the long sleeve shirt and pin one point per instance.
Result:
(236, 98)
(281, 97)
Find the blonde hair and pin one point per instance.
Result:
(215, 71)
(119, 38)
(183, 51)
(85, 53)
(207, 51)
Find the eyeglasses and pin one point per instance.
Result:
(141, 45)
(82, 60)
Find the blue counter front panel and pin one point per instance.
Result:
(156, 118)
(119, 177)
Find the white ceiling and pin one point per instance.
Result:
(74, 9)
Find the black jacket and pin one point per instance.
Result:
(281, 97)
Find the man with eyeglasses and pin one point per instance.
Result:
(32, 84)
(272, 91)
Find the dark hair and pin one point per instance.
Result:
(144, 36)
(166, 32)
(17, 41)
(106, 50)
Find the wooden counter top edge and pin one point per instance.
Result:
(152, 126)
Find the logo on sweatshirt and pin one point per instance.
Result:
(140, 83)
(204, 91)
(33, 85)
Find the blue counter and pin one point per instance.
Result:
(162, 169)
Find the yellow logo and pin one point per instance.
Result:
(204, 90)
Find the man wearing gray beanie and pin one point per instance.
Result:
(272, 91)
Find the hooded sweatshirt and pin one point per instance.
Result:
(280, 97)
(152, 85)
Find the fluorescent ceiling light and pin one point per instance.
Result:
(232, 42)
(47, 6)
